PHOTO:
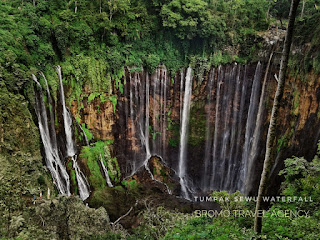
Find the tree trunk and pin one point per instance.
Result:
(302, 10)
(75, 6)
(268, 12)
(110, 14)
(269, 161)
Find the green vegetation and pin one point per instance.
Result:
(73, 178)
(130, 185)
(115, 200)
(205, 228)
(307, 58)
(174, 140)
(197, 124)
(153, 133)
(113, 99)
(87, 132)
(73, 181)
(157, 222)
(302, 179)
(296, 98)
(93, 41)
(92, 155)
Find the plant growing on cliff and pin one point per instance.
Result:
(153, 133)
(87, 132)
(92, 154)
(114, 100)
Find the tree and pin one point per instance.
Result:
(185, 17)
(117, 5)
(280, 9)
(268, 161)
(302, 10)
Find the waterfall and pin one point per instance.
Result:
(257, 131)
(184, 133)
(81, 179)
(234, 178)
(181, 93)
(208, 143)
(235, 120)
(139, 96)
(142, 125)
(84, 134)
(234, 129)
(126, 107)
(234, 110)
(66, 118)
(234, 100)
(53, 161)
(164, 112)
(132, 117)
(227, 121)
(250, 126)
(51, 113)
(82, 182)
(216, 130)
(155, 107)
(105, 170)
(146, 134)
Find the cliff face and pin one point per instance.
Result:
(298, 129)
(97, 115)
(221, 134)
(227, 124)
(21, 173)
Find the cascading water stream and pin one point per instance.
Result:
(234, 127)
(146, 134)
(106, 174)
(184, 134)
(207, 151)
(235, 120)
(181, 93)
(216, 130)
(250, 126)
(132, 117)
(71, 152)
(234, 179)
(258, 128)
(227, 104)
(163, 112)
(81, 179)
(66, 119)
(53, 160)
(51, 113)
(84, 134)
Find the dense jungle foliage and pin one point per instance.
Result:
(38, 34)
(93, 40)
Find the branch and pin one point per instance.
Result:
(43, 223)
(123, 216)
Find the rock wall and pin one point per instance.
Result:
(298, 123)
